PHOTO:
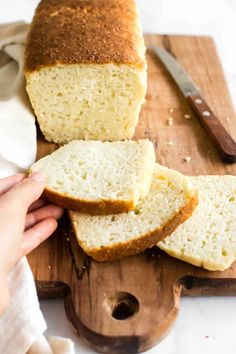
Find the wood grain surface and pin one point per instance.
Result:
(128, 306)
(223, 141)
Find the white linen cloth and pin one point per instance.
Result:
(22, 325)
(17, 126)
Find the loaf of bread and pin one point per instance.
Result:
(98, 177)
(85, 69)
(208, 238)
(171, 200)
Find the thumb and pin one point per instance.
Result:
(27, 191)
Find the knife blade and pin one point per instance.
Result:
(222, 139)
(184, 82)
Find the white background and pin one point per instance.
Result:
(205, 325)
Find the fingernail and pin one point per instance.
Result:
(38, 177)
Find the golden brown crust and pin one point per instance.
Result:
(105, 207)
(84, 32)
(139, 245)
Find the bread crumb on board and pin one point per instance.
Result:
(187, 116)
(170, 143)
(170, 121)
(187, 159)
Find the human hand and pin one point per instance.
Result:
(25, 222)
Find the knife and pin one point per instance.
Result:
(223, 141)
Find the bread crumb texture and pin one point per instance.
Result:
(113, 236)
(96, 172)
(91, 102)
(208, 238)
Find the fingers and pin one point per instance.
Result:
(27, 191)
(9, 182)
(48, 211)
(36, 205)
(37, 234)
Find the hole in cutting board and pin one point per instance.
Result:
(123, 306)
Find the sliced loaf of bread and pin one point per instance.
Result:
(85, 69)
(96, 177)
(208, 238)
(171, 200)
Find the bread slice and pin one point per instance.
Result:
(85, 69)
(208, 238)
(171, 200)
(97, 177)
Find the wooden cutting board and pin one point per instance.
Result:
(129, 305)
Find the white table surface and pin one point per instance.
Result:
(204, 325)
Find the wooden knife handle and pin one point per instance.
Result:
(224, 142)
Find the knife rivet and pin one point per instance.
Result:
(206, 113)
(198, 101)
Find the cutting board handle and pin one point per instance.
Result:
(126, 315)
(224, 142)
